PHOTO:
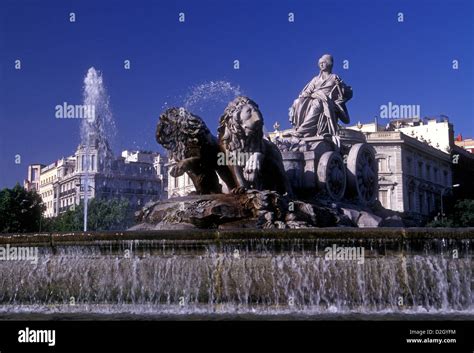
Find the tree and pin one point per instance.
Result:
(20, 210)
(68, 221)
(108, 214)
(440, 223)
(461, 216)
(464, 213)
(102, 215)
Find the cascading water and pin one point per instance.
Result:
(253, 276)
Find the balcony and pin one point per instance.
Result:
(67, 193)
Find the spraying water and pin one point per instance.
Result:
(100, 128)
(97, 130)
(210, 93)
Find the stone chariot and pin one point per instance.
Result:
(317, 165)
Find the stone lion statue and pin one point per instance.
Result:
(194, 149)
(240, 135)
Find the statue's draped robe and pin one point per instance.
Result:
(319, 106)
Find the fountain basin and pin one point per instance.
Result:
(222, 273)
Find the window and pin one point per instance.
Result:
(382, 165)
(383, 198)
(409, 165)
(420, 169)
(93, 162)
(411, 200)
(421, 203)
(432, 202)
(428, 172)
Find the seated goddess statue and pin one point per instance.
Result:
(321, 104)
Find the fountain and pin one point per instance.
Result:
(205, 257)
(227, 274)
(210, 93)
(97, 130)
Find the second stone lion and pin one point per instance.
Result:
(259, 162)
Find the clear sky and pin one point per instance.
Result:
(409, 62)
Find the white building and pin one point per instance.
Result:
(180, 186)
(438, 133)
(136, 176)
(48, 177)
(32, 181)
(183, 185)
(414, 162)
(412, 174)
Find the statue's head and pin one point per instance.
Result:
(179, 131)
(325, 63)
(241, 119)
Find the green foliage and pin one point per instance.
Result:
(108, 215)
(464, 213)
(102, 215)
(438, 223)
(462, 216)
(20, 210)
(69, 221)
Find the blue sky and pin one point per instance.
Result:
(402, 63)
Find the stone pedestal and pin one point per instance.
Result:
(294, 167)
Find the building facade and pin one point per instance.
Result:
(183, 185)
(414, 163)
(48, 177)
(32, 181)
(136, 176)
(467, 144)
(412, 174)
(179, 186)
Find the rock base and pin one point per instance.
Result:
(258, 209)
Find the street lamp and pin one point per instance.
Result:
(442, 193)
(79, 185)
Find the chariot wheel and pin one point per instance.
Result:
(362, 173)
(332, 175)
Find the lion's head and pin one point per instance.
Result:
(180, 132)
(241, 126)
